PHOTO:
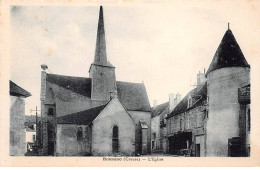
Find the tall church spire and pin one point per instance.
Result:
(100, 53)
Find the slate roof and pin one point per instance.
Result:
(228, 54)
(159, 109)
(16, 90)
(81, 118)
(133, 96)
(182, 106)
(80, 85)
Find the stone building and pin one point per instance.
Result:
(244, 120)
(96, 115)
(159, 113)
(227, 72)
(211, 120)
(17, 146)
(156, 145)
(186, 123)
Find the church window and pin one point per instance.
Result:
(80, 134)
(50, 111)
(115, 142)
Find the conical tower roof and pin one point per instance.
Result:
(100, 53)
(228, 54)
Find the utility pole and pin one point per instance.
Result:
(36, 119)
(36, 122)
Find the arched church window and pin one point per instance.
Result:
(115, 142)
(80, 134)
(50, 112)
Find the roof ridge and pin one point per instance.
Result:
(86, 110)
(14, 89)
(128, 82)
(67, 76)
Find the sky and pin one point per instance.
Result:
(163, 45)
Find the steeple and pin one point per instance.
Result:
(228, 54)
(101, 72)
(100, 53)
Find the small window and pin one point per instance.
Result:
(153, 144)
(80, 134)
(188, 123)
(115, 142)
(154, 136)
(50, 111)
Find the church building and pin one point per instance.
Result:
(95, 116)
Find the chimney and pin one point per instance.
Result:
(201, 79)
(171, 102)
(154, 103)
(178, 98)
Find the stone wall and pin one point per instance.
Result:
(67, 143)
(68, 102)
(146, 117)
(113, 115)
(223, 116)
(17, 129)
(103, 82)
(155, 129)
(193, 121)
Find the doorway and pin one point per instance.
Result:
(234, 147)
(197, 150)
(51, 148)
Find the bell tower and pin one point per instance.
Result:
(101, 72)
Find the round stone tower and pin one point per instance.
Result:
(227, 72)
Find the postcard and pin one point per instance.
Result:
(130, 83)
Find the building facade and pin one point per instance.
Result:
(186, 124)
(17, 146)
(94, 116)
(30, 133)
(212, 120)
(159, 131)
